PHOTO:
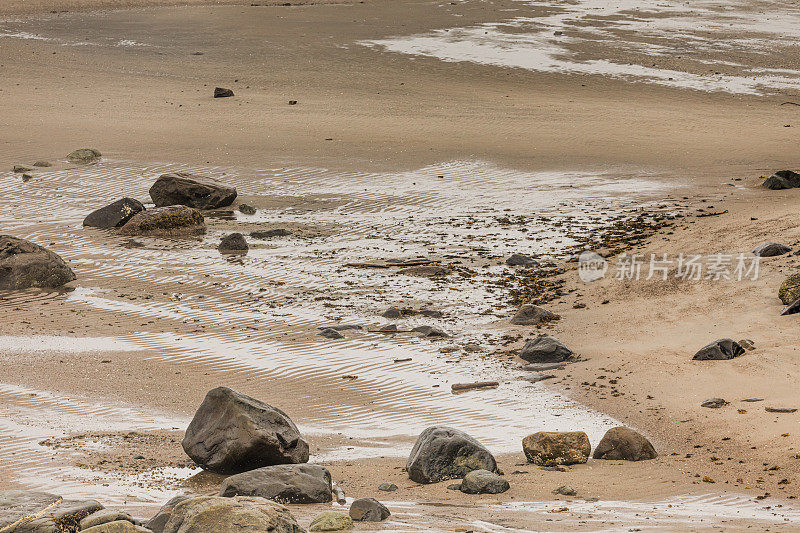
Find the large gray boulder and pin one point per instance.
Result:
(484, 482)
(232, 433)
(301, 483)
(24, 264)
(182, 188)
(719, 350)
(782, 179)
(443, 453)
(114, 215)
(175, 220)
(621, 443)
(240, 514)
(545, 350)
(41, 512)
(368, 510)
(533, 315)
(161, 518)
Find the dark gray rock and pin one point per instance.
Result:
(430, 331)
(392, 313)
(270, 233)
(114, 215)
(282, 483)
(625, 444)
(533, 315)
(431, 313)
(221, 92)
(24, 264)
(443, 453)
(771, 249)
(719, 350)
(484, 482)
(792, 308)
(232, 433)
(782, 179)
(714, 403)
(330, 333)
(387, 487)
(388, 328)
(233, 242)
(171, 221)
(161, 518)
(200, 192)
(545, 350)
(20, 169)
(521, 260)
(246, 209)
(368, 510)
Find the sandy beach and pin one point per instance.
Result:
(410, 137)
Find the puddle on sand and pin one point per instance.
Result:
(734, 47)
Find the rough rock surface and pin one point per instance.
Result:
(232, 433)
(221, 92)
(62, 516)
(424, 271)
(119, 526)
(103, 517)
(16, 504)
(84, 156)
(771, 249)
(790, 289)
(270, 233)
(782, 179)
(387, 487)
(545, 350)
(247, 209)
(483, 482)
(719, 350)
(521, 260)
(533, 315)
(200, 192)
(621, 443)
(114, 215)
(550, 448)
(24, 264)
(161, 518)
(368, 510)
(174, 220)
(240, 514)
(714, 403)
(443, 453)
(331, 521)
(301, 483)
(233, 242)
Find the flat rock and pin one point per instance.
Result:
(483, 482)
(387, 487)
(221, 92)
(780, 409)
(553, 448)
(84, 156)
(714, 403)
(120, 526)
(64, 516)
(330, 333)
(233, 242)
(175, 220)
(16, 504)
(270, 233)
(565, 490)
(782, 179)
(114, 215)
(19, 169)
(232, 433)
(331, 521)
(425, 271)
(443, 453)
(43, 164)
(368, 510)
(239, 514)
(183, 188)
(104, 516)
(545, 350)
(719, 350)
(341, 327)
(771, 249)
(300, 483)
(24, 264)
(430, 331)
(521, 260)
(621, 443)
(533, 315)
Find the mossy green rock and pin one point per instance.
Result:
(790, 289)
(331, 521)
(84, 156)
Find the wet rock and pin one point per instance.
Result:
(392, 313)
(232, 433)
(719, 350)
(114, 215)
(483, 482)
(330, 333)
(389, 328)
(104, 516)
(120, 526)
(430, 331)
(771, 249)
(84, 156)
(565, 490)
(552, 448)
(270, 233)
(545, 350)
(782, 179)
(533, 315)
(246, 209)
(183, 188)
(26, 178)
(43, 164)
(387, 487)
(521, 260)
(19, 169)
(24, 264)
(233, 242)
(424, 271)
(791, 309)
(172, 221)
(221, 92)
(341, 327)
(790, 289)
(443, 453)
(714, 403)
(621, 443)
(16, 504)
(230, 515)
(282, 483)
(368, 510)
(331, 521)
(64, 516)
(431, 313)
(161, 518)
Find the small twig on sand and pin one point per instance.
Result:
(461, 387)
(790, 103)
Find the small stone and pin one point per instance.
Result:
(331, 521)
(714, 403)
(292, 102)
(19, 169)
(43, 164)
(454, 486)
(431, 313)
(270, 233)
(621, 443)
(719, 350)
(790, 289)
(234, 242)
(533, 315)
(389, 328)
(425, 271)
(430, 331)
(545, 350)
(84, 156)
(220, 92)
(392, 313)
(247, 209)
(387, 487)
(521, 260)
(26, 178)
(330, 333)
(554, 448)
(780, 409)
(484, 482)
(565, 490)
(368, 510)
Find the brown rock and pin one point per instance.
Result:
(551, 448)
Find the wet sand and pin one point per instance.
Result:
(173, 319)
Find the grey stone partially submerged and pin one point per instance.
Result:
(24, 264)
(114, 215)
(443, 453)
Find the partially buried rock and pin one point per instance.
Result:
(392, 312)
(521, 260)
(443, 453)
(19, 169)
(430, 331)
(84, 156)
(246, 209)
(621, 443)
(551, 448)
(172, 221)
(782, 179)
(221, 92)
(43, 164)
(533, 315)
(183, 188)
(368, 510)
(330, 333)
(232, 433)
(270, 233)
(771, 249)
(114, 215)
(161, 518)
(119, 526)
(331, 521)
(483, 482)
(282, 483)
(790, 289)
(24, 264)
(233, 243)
(719, 350)
(714, 403)
(387, 487)
(545, 350)
(239, 514)
(565, 490)
(425, 271)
